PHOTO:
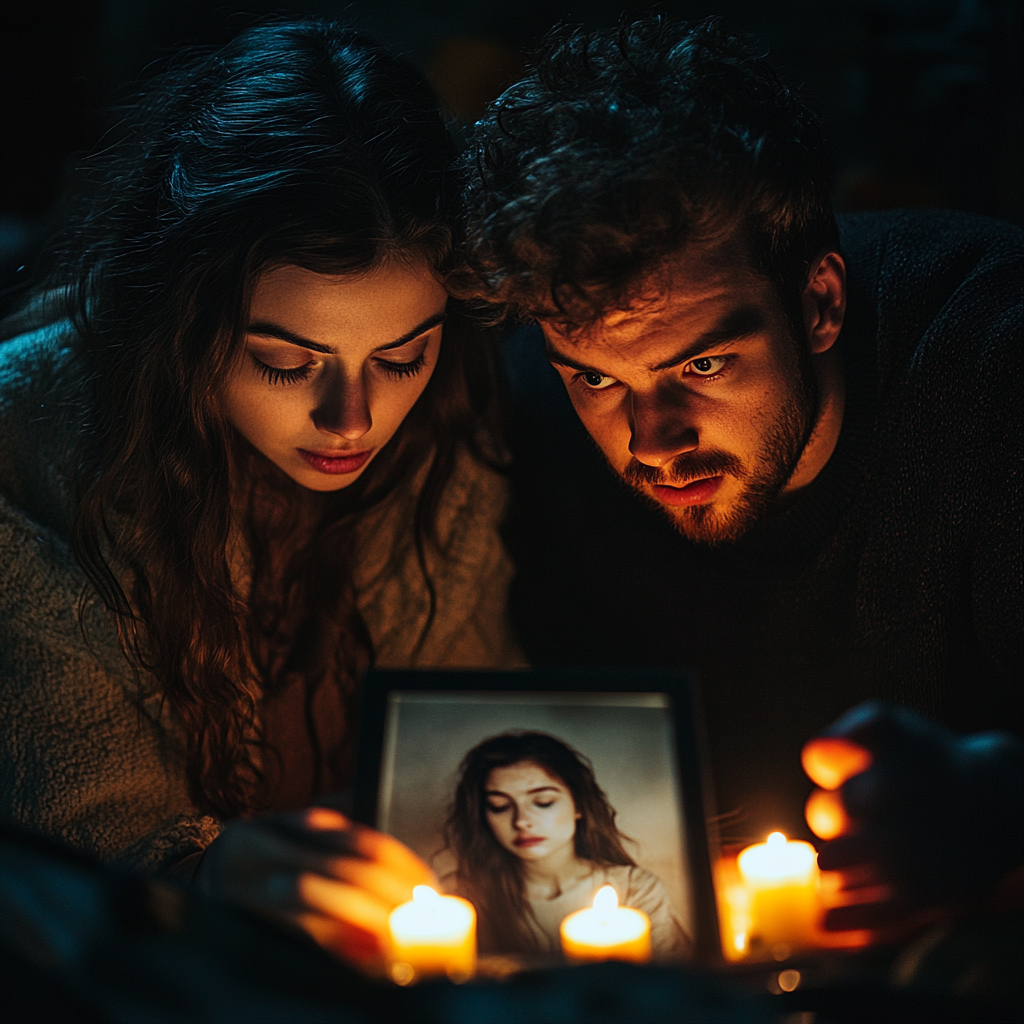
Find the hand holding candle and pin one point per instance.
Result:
(432, 935)
(607, 931)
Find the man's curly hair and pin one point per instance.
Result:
(619, 149)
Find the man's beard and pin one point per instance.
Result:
(762, 481)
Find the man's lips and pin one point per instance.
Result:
(528, 840)
(696, 493)
(342, 462)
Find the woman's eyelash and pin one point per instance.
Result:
(409, 369)
(275, 375)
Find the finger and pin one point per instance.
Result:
(871, 915)
(357, 945)
(389, 852)
(344, 903)
(269, 852)
(830, 760)
(879, 726)
(324, 819)
(377, 879)
(826, 815)
(848, 851)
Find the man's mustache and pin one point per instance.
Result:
(683, 469)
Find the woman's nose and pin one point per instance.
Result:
(523, 822)
(344, 410)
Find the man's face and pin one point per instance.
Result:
(700, 397)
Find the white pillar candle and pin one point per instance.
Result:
(432, 935)
(607, 931)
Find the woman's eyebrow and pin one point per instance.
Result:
(268, 329)
(541, 789)
(421, 328)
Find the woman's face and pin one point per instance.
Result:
(531, 812)
(333, 363)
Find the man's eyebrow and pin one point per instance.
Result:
(268, 329)
(739, 323)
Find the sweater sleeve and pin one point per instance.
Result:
(471, 577)
(647, 893)
(82, 759)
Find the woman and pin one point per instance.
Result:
(243, 466)
(534, 838)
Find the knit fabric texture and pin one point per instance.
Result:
(84, 760)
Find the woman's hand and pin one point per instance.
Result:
(921, 821)
(319, 871)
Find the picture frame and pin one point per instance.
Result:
(639, 728)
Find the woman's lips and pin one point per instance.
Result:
(528, 840)
(342, 462)
(696, 493)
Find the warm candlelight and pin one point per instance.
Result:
(432, 935)
(607, 931)
(782, 879)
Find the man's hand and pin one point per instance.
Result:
(920, 820)
(336, 880)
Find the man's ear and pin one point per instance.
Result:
(824, 302)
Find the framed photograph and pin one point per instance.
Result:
(528, 791)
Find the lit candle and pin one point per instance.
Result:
(607, 931)
(432, 935)
(782, 879)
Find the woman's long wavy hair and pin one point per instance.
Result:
(490, 875)
(298, 143)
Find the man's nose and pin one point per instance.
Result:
(660, 429)
(344, 409)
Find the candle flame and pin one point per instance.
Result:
(776, 840)
(424, 894)
(606, 899)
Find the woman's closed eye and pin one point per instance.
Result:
(406, 369)
(497, 808)
(282, 374)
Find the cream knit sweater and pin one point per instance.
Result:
(80, 758)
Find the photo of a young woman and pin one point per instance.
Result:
(534, 837)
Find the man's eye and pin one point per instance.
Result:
(595, 380)
(706, 366)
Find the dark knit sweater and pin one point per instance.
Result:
(897, 574)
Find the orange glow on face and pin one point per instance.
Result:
(830, 761)
(826, 814)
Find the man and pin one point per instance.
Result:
(819, 432)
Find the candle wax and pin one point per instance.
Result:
(432, 935)
(782, 879)
(607, 931)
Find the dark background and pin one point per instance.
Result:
(924, 96)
